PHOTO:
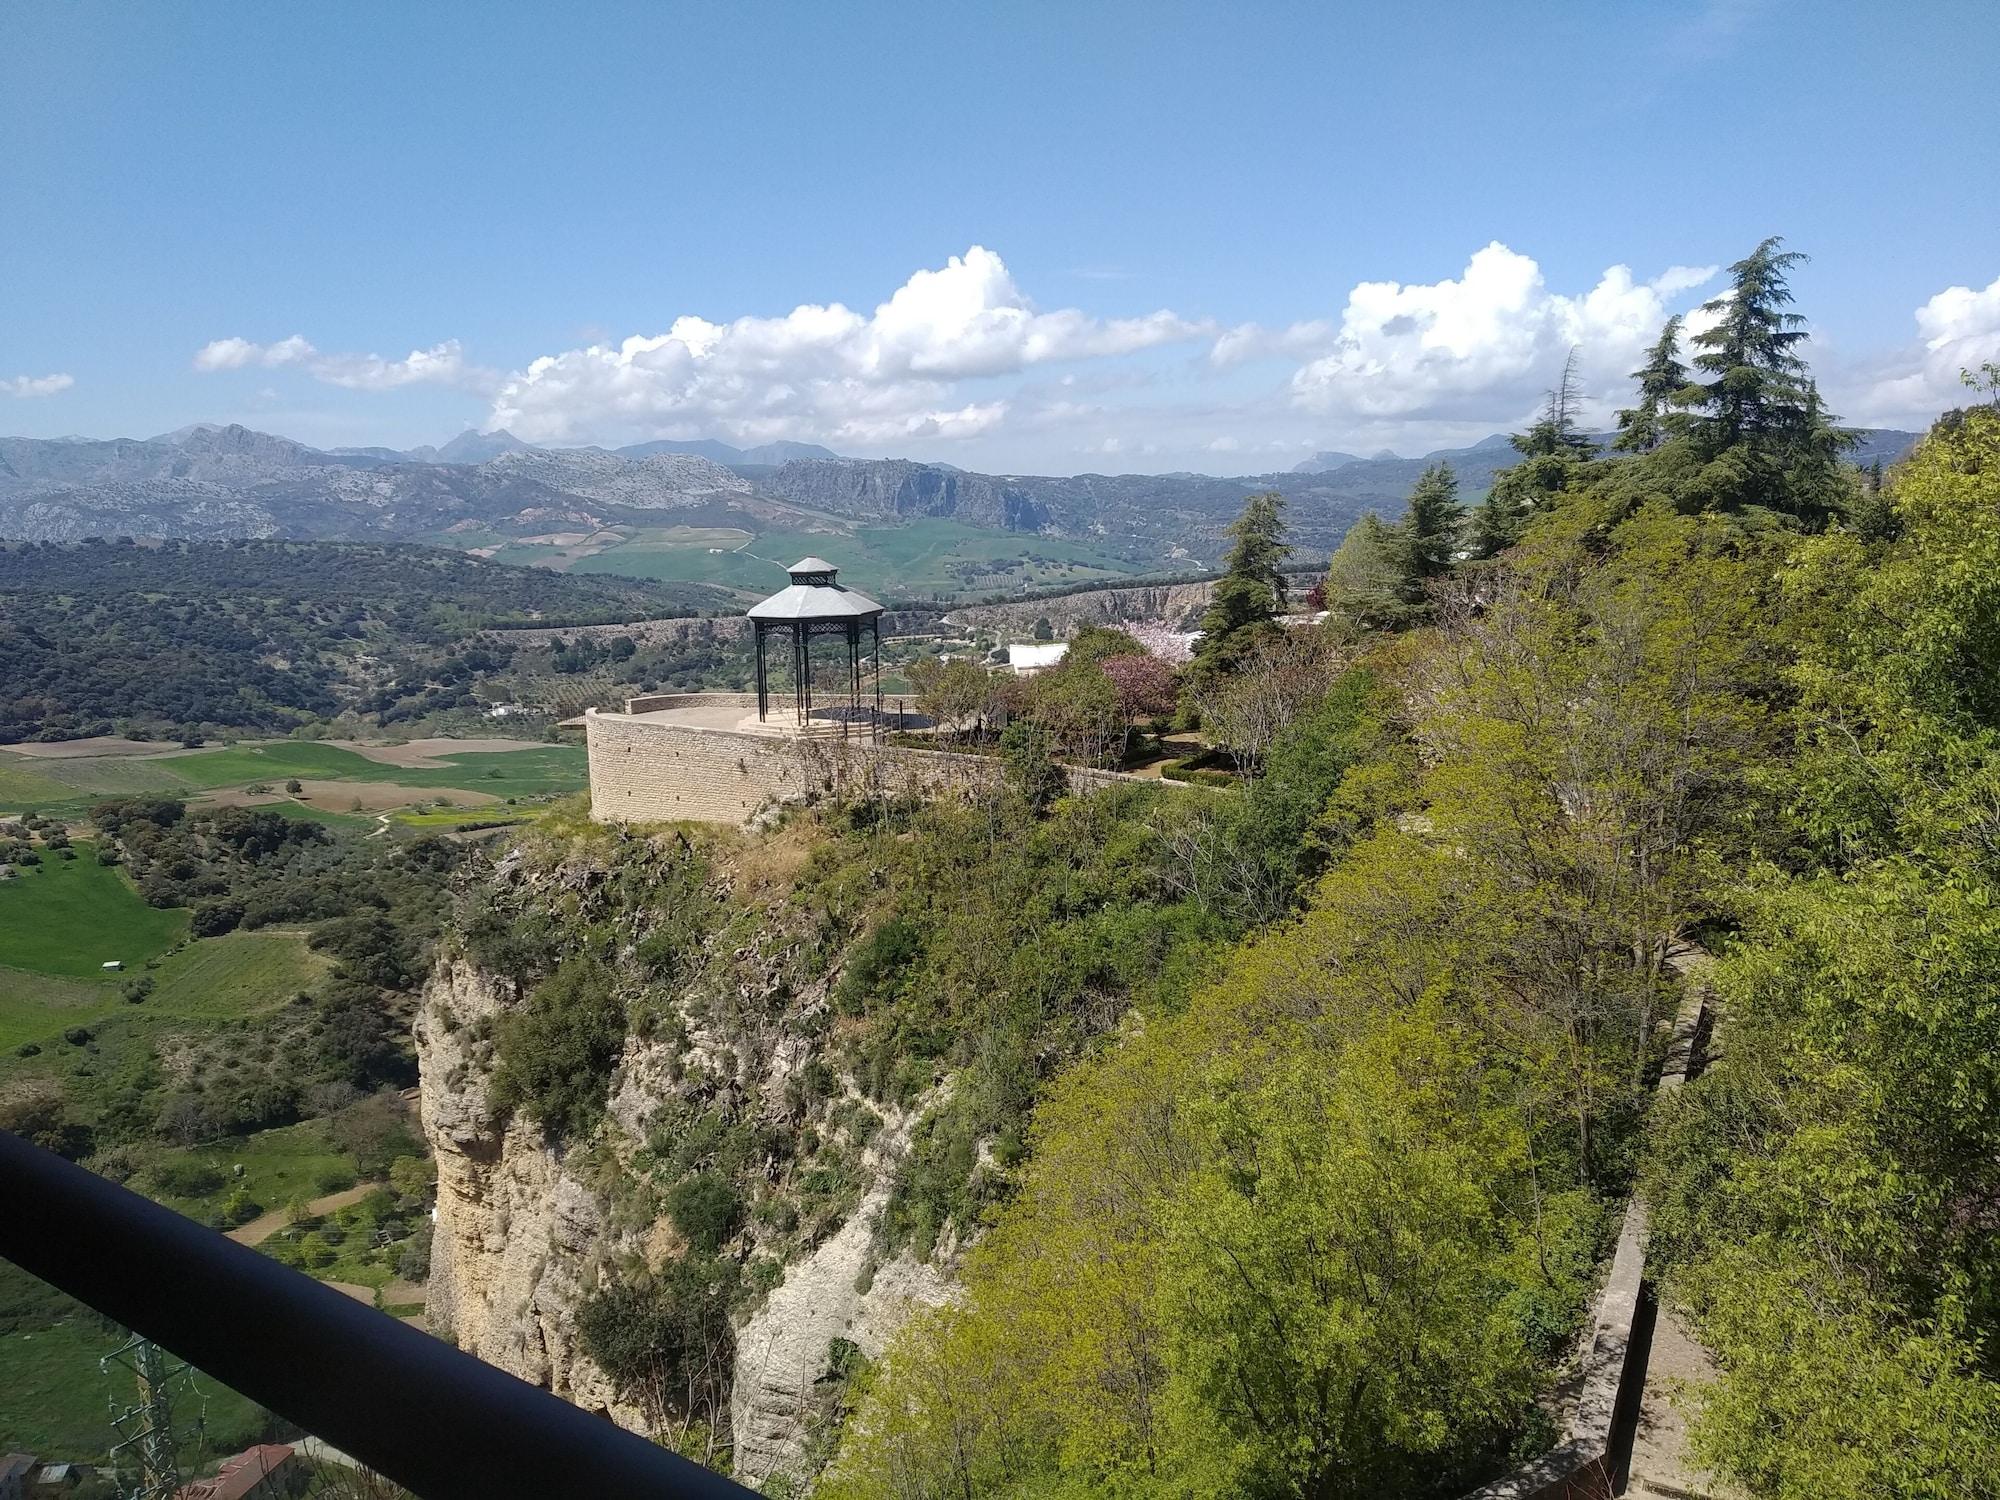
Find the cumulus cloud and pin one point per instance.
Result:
(441, 364)
(1957, 330)
(826, 371)
(1486, 341)
(26, 386)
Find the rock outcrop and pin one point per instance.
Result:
(527, 1231)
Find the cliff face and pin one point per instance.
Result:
(528, 1230)
(1178, 606)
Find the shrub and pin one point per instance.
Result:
(334, 1180)
(414, 1264)
(186, 1178)
(705, 1209)
(314, 1251)
(666, 1341)
(213, 918)
(76, 1036)
(557, 1053)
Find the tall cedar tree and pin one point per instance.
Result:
(1430, 529)
(1251, 592)
(1755, 388)
(1661, 379)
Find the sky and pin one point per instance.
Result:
(1015, 237)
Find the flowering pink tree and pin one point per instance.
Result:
(1145, 687)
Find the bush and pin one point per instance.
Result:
(186, 1178)
(138, 989)
(557, 1053)
(334, 1180)
(666, 1341)
(214, 918)
(77, 1036)
(706, 1209)
(414, 1264)
(314, 1251)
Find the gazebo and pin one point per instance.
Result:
(813, 605)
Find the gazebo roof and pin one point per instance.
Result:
(813, 594)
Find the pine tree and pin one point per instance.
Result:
(1661, 379)
(1755, 389)
(1492, 529)
(1552, 450)
(1428, 532)
(1816, 483)
(1251, 592)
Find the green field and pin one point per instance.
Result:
(210, 979)
(292, 1161)
(54, 1400)
(925, 557)
(67, 788)
(68, 916)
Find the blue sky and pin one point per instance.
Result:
(1126, 236)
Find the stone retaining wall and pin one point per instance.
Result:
(1585, 1465)
(650, 771)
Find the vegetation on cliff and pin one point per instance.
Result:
(1323, 1231)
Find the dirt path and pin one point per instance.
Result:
(264, 1226)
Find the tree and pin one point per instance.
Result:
(1144, 687)
(1364, 578)
(1429, 530)
(1755, 386)
(1661, 380)
(1492, 529)
(1554, 459)
(1251, 592)
(952, 694)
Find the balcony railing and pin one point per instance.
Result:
(438, 1422)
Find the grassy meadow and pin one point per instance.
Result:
(68, 788)
(69, 916)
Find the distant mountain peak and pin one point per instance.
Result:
(474, 447)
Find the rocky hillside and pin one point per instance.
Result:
(230, 482)
(726, 1138)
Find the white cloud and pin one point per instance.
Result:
(826, 371)
(441, 364)
(26, 386)
(1486, 342)
(1959, 330)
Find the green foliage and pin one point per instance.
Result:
(706, 1209)
(1661, 380)
(1251, 592)
(1816, 1188)
(557, 1052)
(264, 635)
(665, 1339)
(1428, 533)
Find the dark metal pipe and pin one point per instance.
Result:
(441, 1423)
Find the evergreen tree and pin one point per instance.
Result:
(1816, 483)
(1755, 391)
(1661, 379)
(1492, 528)
(1552, 451)
(1364, 577)
(1429, 530)
(1251, 592)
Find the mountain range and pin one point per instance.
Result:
(210, 481)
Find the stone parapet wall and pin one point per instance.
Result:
(652, 771)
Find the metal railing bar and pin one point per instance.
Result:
(436, 1421)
